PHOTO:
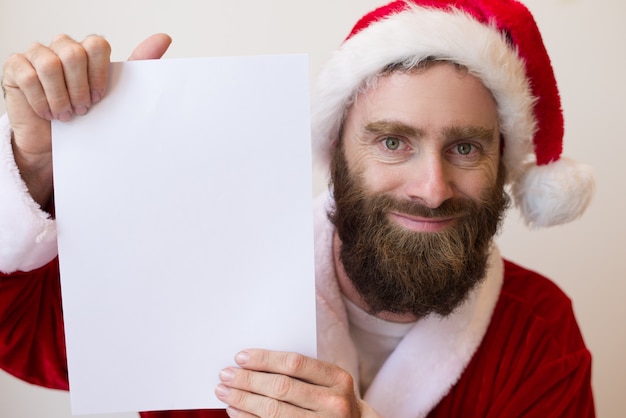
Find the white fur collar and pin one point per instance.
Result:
(435, 351)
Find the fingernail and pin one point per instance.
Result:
(227, 375)
(48, 115)
(242, 357)
(96, 96)
(232, 412)
(65, 116)
(81, 109)
(222, 391)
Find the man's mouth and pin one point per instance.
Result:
(420, 223)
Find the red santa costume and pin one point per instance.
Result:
(513, 348)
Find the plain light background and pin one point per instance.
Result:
(585, 39)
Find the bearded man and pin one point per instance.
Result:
(424, 115)
(422, 252)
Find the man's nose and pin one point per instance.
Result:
(429, 181)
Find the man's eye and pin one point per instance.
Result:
(464, 149)
(392, 143)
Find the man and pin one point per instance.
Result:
(425, 112)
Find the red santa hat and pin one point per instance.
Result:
(499, 42)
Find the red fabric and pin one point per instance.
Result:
(32, 342)
(206, 413)
(532, 362)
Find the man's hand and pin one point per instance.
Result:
(57, 81)
(272, 384)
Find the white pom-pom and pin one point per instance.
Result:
(553, 194)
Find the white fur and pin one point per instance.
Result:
(554, 194)
(27, 234)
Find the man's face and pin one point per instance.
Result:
(418, 189)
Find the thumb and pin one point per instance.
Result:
(151, 48)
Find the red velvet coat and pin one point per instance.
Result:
(532, 361)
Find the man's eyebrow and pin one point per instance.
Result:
(469, 132)
(392, 127)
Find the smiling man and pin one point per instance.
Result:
(424, 115)
(418, 190)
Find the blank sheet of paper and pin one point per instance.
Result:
(183, 203)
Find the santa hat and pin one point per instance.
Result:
(499, 42)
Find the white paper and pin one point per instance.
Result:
(183, 203)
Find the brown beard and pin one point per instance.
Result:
(402, 271)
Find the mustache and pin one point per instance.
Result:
(455, 207)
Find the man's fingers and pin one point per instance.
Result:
(48, 73)
(151, 48)
(67, 77)
(99, 54)
(21, 82)
(291, 364)
(287, 378)
(267, 394)
(67, 87)
(250, 404)
(272, 386)
(57, 81)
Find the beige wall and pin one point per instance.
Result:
(585, 39)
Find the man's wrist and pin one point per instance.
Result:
(36, 172)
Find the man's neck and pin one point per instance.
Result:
(350, 292)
